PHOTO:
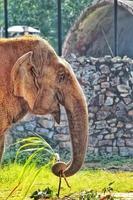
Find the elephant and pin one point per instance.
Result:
(33, 78)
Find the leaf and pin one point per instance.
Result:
(111, 183)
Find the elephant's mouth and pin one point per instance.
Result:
(53, 109)
(56, 113)
(40, 111)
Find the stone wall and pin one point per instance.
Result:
(108, 85)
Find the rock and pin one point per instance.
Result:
(101, 124)
(112, 121)
(120, 124)
(93, 141)
(91, 150)
(101, 99)
(126, 59)
(65, 145)
(73, 56)
(121, 73)
(123, 88)
(81, 59)
(102, 115)
(105, 85)
(104, 69)
(46, 123)
(109, 149)
(124, 94)
(130, 113)
(103, 131)
(116, 59)
(130, 151)
(92, 108)
(91, 115)
(120, 142)
(117, 100)
(96, 87)
(127, 100)
(109, 101)
(130, 106)
(114, 143)
(120, 134)
(105, 143)
(50, 135)
(93, 60)
(102, 151)
(20, 128)
(61, 137)
(107, 58)
(100, 137)
(30, 126)
(118, 66)
(115, 81)
(129, 142)
(42, 131)
(92, 68)
(121, 111)
(123, 151)
(109, 136)
(113, 130)
(110, 94)
(129, 126)
(115, 151)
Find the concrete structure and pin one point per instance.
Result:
(93, 32)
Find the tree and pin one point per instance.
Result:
(70, 11)
(39, 14)
(42, 14)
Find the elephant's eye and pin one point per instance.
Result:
(61, 77)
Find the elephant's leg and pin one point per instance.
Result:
(2, 142)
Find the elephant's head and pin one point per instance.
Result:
(47, 83)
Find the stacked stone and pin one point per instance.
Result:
(32, 126)
(108, 85)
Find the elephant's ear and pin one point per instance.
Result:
(23, 76)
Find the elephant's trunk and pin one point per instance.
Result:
(78, 125)
(77, 114)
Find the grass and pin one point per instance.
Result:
(108, 162)
(84, 180)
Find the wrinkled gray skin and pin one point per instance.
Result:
(39, 82)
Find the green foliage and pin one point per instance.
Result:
(87, 180)
(36, 146)
(107, 194)
(70, 11)
(89, 195)
(1, 13)
(42, 14)
(108, 161)
(23, 148)
(46, 193)
(93, 195)
(39, 14)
